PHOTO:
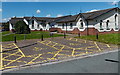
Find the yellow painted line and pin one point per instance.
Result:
(14, 60)
(73, 52)
(34, 58)
(54, 44)
(76, 40)
(58, 52)
(10, 67)
(97, 46)
(11, 55)
(108, 46)
(19, 49)
(48, 45)
(1, 63)
(86, 50)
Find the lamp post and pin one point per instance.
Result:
(87, 28)
(15, 39)
(66, 27)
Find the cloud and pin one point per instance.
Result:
(0, 10)
(48, 15)
(92, 10)
(38, 11)
(114, 2)
(59, 15)
(5, 19)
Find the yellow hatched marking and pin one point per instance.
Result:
(97, 46)
(34, 59)
(11, 55)
(108, 46)
(54, 44)
(57, 52)
(19, 49)
(76, 40)
(86, 50)
(48, 44)
(73, 52)
(1, 64)
(9, 67)
(14, 60)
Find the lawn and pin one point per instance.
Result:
(5, 32)
(32, 35)
(105, 38)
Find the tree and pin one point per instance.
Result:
(6, 26)
(22, 28)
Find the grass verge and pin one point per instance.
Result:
(105, 38)
(32, 35)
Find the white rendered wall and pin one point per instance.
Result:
(109, 16)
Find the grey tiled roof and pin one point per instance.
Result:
(15, 20)
(92, 15)
(68, 18)
(87, 16)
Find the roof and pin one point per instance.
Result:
(15, 20)
(69, 18)
(86, 16)
(92, 15)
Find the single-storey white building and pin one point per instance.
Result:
(101, 21)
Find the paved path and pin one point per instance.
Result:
(30, 52)
(8, 34)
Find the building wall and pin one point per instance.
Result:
(36, 27)
(59, 25)
(94, 25)
(109, 16)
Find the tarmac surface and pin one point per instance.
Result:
(94, 64)
(29, 52)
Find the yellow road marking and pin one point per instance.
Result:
(57, 52)
(11, 55)
(73, 52)
(14, 60)
(108, 46)
(9, 67)
(1, 64)
(34, 58)
(97, 46)
(19, 49)
(54, 44)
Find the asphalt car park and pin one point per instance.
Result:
(30, 52)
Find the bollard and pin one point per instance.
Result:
(51, 34)
(97, 36)
(78, 34)
(15, 39)
(64, 35)
(42, 37)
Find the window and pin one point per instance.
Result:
(32, 24)
(62, 26)
(107, 25)
(116, 22)
(81, 24)
(38, 26)
(44, 25)
(101, 25)
(71, 25)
